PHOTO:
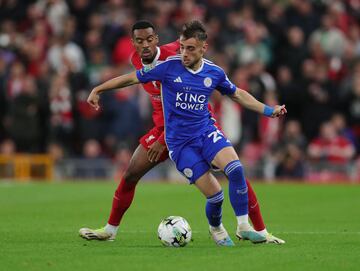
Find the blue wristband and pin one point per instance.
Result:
(268, 110)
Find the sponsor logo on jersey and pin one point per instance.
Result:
(190, 101)
(178, 80)
(156, 97)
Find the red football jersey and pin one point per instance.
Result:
(153, 88)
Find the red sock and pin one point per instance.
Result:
(254, 209)
(123, 197)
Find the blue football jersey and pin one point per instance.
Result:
(185, 96)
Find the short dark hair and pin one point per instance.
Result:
(142, 25)
(194, 29)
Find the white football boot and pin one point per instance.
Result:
(246, 232)
(96, 234)
(271, 239)
(220, 236)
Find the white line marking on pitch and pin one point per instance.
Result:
(275, 232)
(320, 232)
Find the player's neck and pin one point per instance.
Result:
(197, 65)
(147, 62)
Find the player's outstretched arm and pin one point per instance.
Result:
(117, 82)
(248, 101)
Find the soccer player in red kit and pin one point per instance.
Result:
(152, 148)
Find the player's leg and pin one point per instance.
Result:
(227, 160)
(257, 219)
(139, 165)
(211, 189)
(192, 165)
(254, 209)
(256, 216)
(124, 194)
(218, 151)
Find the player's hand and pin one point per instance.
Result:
(279, 110)
(155, 151)
(93, 99)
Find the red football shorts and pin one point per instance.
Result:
(148, 139)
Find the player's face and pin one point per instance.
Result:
(145, 42)
(192, 50)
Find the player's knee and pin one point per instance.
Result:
(131, 176)
(235, 173)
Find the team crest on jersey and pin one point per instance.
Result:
(145, 69)
(207, 82)
(188, 172)
(151, 137)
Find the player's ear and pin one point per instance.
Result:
(205, 47)
(156, 39)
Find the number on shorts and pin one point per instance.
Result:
(216, 135)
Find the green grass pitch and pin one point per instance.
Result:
(39, 226)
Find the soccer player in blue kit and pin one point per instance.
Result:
(194, 142)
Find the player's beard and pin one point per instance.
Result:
(191, 64)
(148, 59)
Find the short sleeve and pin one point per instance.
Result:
(225, 86)
(147, 74)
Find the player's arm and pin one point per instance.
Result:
(245, 99)
(248, 101)
(117, 82)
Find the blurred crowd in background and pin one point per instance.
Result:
(302, 53)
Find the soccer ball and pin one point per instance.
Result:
(174, 231)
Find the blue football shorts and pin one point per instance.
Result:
(193, 159)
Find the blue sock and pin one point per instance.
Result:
(214, 208)
(237, 187)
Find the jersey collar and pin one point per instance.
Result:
(198, 70)
(153, 63)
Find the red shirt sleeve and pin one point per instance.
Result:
(174, 46)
